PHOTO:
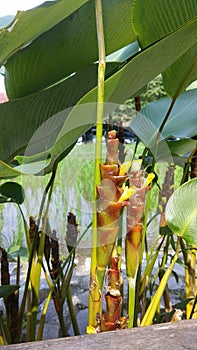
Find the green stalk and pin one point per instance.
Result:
(119, 241)
(94, 296)
(72, 312)
(35, 287)
(144, 229)
(177, 93)
(193, 308)
(43, 316)
(31, 255)
(52, 286)
(133, 249)
(132, 265)
(38, 267)
(138, 278)
(65, 289)
(164, 122)
(145, 282)
(5, 332)
(190, 264)
(149, 266)
(28, 315)
(131, 300)
(187, 165)
(119, 251)
(26, 231)
(150, 313)
(169, 111)
(62, 324)
(166, 294)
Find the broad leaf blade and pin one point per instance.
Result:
(68, 47)
(32, 167)
(159, 19)
(181, 212)
(7, 171)
(136, 73)
(181, 122)
(182, 147)
(124, 54)
(181, 150)
(35, 22)
(13, 191)
(16, 250)
(27, 115)
(7, 290)
(22, 118)
(182, 73)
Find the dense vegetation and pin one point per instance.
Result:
(64, 74)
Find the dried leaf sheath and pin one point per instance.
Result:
(164, 195)
(11, 301)
(135, 210)
(166, 192)
(5, 275)
(72, 231)
(193, 173)
(55, 260)
(111, 319)
(109, 207)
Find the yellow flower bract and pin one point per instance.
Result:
(90, 330)
(149, 179)
(124, 167)
(127, 193)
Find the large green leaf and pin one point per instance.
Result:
(68, 47)
(7, 171)
(124, 54)
(26, 115)
(128, 80)
(181, 212)
(28, 25)
(181, 149)
(21, 118)
(8, 289)
(13, 192)
(147, 64)
(32, 167)
(182, 73)
(181, 123)
(124, 84)
(159, 19)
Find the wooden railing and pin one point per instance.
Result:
(180, 335)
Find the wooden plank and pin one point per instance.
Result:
(176, 336)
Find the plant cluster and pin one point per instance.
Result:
(63, 75)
